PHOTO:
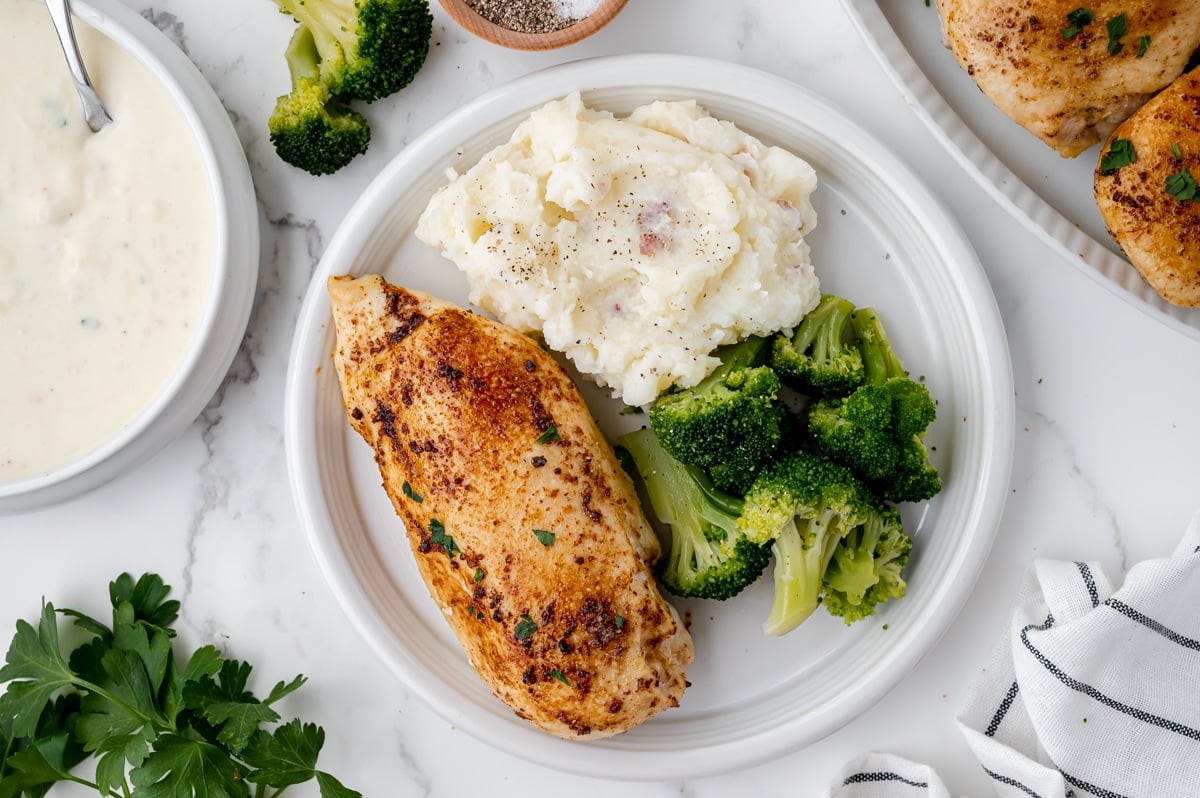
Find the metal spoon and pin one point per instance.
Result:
(94, 112)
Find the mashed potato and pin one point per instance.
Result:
(635, 246)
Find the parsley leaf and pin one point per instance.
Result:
(1116, 28)
(1182, 186)
(183, 768)
(557, 674)
(524, 628)
(408, 491)
(544, 537)
(438, 537)
(1120, 153)
(149, 599)
(1143, 46)
(34, 658)
(289, 756)
(550, 435)
(1077, 20)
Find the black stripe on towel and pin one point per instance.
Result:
(1096, 695)
(1090, 581)
(1011, 783)
(1002, 710)
(1099, 792)
(1153, 625)
(1010, 696)
(885, 775)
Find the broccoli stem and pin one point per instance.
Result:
(802, 553)
(302, 57)
(879, 359)
(329, 21)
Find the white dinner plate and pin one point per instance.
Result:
(883, 239)
(1050, 194)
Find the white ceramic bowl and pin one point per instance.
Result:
(234, 270)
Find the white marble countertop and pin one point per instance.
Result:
(1105, 461)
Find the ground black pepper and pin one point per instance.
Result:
(525, 16)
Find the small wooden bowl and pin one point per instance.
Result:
(462, 13)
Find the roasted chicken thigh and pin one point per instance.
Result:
(1068, 71)
(1145, 186)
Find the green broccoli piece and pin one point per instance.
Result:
(730, 422)
(803, 504)
(866, 567)
(708, 555)
(878, 430)
(309, 127)
(368, 48)
(818, 359)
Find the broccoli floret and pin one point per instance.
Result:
(878, 430)
(309, 127)
(730, 422)
(866, 567)
(804, 505)
(708, 554)
(368, 48)
(818, 359)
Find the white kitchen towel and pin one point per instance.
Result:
(1091, 692)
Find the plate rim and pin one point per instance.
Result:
(688, 73)
(1084, 252)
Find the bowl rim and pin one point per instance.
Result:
(130, 31)
(474, 22)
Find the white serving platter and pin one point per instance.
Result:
(1050, 194)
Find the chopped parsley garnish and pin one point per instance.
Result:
(544, 537)
(1120, 153)
(1143, 46)
(438, 537)
(557, 674)
(478, 577)
(550, 435)
(1116, 28)
(1182, 186)
(1176, 152)
(410, 493)
(525, 628)
(620, 621)
(1077, 20)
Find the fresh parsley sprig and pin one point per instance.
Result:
(153, 726)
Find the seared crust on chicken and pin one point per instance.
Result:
(1062, 80)
(527, 531)
(1159, 231)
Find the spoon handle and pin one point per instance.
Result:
(93, 109)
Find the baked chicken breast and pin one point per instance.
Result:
(1070, 72)
(1145, 186)
(527, 531)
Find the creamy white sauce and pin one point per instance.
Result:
(106, 245)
